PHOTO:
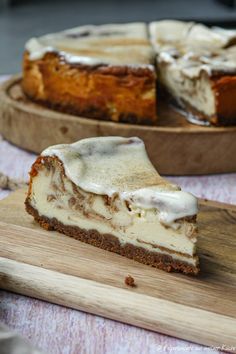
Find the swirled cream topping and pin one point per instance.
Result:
(120, 166)
(193, 49)
(116, 44)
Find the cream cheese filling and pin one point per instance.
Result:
(89, 211)
(197, 93)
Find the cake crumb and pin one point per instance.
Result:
(130, 281)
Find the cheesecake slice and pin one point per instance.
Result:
(196, 66)
(105, 191)
(104, 72)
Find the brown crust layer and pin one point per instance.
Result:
(111, 243)
(117, 93)
(130, 281)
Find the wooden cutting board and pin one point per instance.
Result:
(174, 146)
(53, 267)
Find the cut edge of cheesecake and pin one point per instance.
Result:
(196, 69)
(121, 222)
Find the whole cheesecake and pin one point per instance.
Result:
(105, 192)
(104, 72)
(119, 72)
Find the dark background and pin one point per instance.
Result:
(22, 19)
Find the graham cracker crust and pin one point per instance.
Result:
(91, 111)
(129, 281)
(111, 243)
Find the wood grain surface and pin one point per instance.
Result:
(60, 330)
(175, 146)
(56, 268)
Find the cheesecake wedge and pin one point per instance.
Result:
(105, 192)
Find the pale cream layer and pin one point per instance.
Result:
(116, 165)
(189, 35)
(116, 44)
(130, 225)
(194, 48)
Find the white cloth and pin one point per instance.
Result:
(12, 343)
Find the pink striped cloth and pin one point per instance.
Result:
(59, 330)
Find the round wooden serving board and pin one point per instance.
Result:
(175, 146)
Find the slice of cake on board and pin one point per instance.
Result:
(105, 191)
